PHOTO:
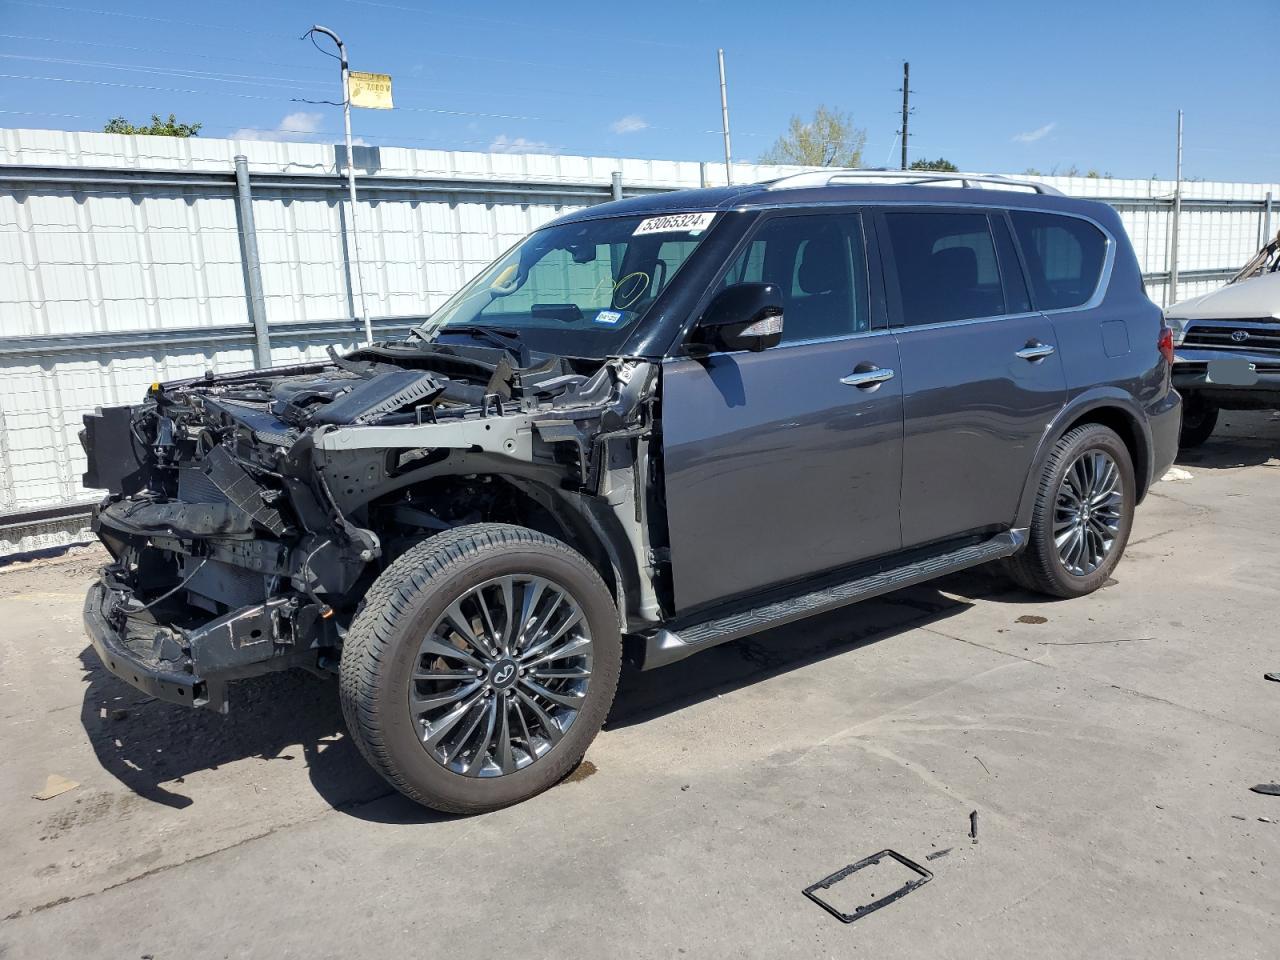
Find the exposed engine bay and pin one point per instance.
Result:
(248, 513)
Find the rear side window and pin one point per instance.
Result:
(819, 264)
(947, 266)
(1064, 257)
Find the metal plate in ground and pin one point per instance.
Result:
(865, 869)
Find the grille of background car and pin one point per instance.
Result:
(1266, 338)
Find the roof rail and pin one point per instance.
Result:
(826, 178)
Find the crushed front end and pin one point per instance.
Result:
(247, 514)
(223, 555)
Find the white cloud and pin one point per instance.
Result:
(629, 124)
(302, 122)
(1031, 136)
(294, 126)
(504, 144)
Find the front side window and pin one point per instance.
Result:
(819, 264)
(577, 288)
(1064, 258)
(947, 266)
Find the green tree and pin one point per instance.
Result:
(829, 139)
(157, 128)
(941, 164)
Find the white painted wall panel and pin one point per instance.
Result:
(109, 259)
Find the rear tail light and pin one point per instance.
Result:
(1165, 343)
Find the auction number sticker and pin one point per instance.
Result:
(675, 223)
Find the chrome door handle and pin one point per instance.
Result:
(868, 378)
(1036, 351)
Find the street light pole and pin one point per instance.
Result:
(351, 180)
(1172, 293)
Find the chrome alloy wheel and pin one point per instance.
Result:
(1088, 512)
(501, 676)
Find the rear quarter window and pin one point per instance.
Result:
(946, 265)
(1064, 257)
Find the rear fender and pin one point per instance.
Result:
(1109, 406)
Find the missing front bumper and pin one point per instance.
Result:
(155, 665)
(191, 666)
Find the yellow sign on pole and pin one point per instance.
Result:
(369, 90)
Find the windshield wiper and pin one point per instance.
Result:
(507, 339)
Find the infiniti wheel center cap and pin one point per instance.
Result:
(503, 673)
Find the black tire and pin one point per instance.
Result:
(1199, 417)
(382, 650)
(1040, 567)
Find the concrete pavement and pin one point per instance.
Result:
(1107, 745)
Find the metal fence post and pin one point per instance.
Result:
(252, 265)
(1172, 293)
(1266, 221)
(617, 184)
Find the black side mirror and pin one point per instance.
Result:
(745, 316)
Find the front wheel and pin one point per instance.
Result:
(1082, 517)
(481, 667)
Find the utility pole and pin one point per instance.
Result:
(351, 180)
(724, 122)
(1172, 296)
(906, 107)
(252, 264)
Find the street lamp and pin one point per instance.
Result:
(351, 174)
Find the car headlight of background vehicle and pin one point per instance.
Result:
(1179, 328)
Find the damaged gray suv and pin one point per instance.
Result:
(652, 426)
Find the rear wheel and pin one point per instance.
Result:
(481, 667)
(1199, 417)
(1082, 517)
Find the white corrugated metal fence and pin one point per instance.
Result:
(121, 263)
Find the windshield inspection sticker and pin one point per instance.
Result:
(675, 223)
(608, 317)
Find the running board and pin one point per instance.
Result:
(667, 646)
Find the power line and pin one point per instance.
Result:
(286, 84)
(35, 113)
(250, 96)
(434, 15)
(92, 11)
(135, 86)
(134, 49)
(435, 55)
(215, 76)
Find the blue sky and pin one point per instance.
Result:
(998, 86)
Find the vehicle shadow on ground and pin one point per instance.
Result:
(1243, 439)
(151, 746)
(1229, 453)
(643, 696)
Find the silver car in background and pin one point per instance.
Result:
(1228, 346)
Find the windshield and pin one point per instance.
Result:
(577, 289)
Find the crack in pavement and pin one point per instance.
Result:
(1115, 686)
(278, 828)
(1090, 643)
